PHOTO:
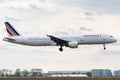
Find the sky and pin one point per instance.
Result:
(41, 17)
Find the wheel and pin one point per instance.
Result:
(104, 46)
(61, 49)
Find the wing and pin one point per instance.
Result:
(59, 41)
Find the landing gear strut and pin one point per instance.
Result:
(104, 46)
(61, 49)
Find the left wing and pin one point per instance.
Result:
(59, 41)
(62, 42)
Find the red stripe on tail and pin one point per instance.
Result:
(9, 32)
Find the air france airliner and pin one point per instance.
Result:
(71, 41)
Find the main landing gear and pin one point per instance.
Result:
(104, 46)
(61, 49)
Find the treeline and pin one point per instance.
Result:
(35, 72)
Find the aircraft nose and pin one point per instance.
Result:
(114, 40)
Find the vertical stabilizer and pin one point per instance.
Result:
(11, 30)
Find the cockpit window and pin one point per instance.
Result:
(111, 36)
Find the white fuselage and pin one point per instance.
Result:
(71, 41)
(46, 41)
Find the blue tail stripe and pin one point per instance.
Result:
(11, 28)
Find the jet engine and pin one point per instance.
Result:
(73, 44)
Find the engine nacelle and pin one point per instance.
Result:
(73, 44)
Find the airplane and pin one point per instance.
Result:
(71, 41)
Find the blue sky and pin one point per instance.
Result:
(37, 17)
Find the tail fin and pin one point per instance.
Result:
(10, 30)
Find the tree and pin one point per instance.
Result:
(36, 72)
(25, 73)
(89, 74)
(17, 73)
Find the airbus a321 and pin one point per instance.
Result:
(71, 41)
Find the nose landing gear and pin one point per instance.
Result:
(104, 46)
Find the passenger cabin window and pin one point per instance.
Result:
(92, 36)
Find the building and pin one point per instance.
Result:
(68, 73)
(101, 73)
(117, 73)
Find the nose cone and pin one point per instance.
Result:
(114, 40)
